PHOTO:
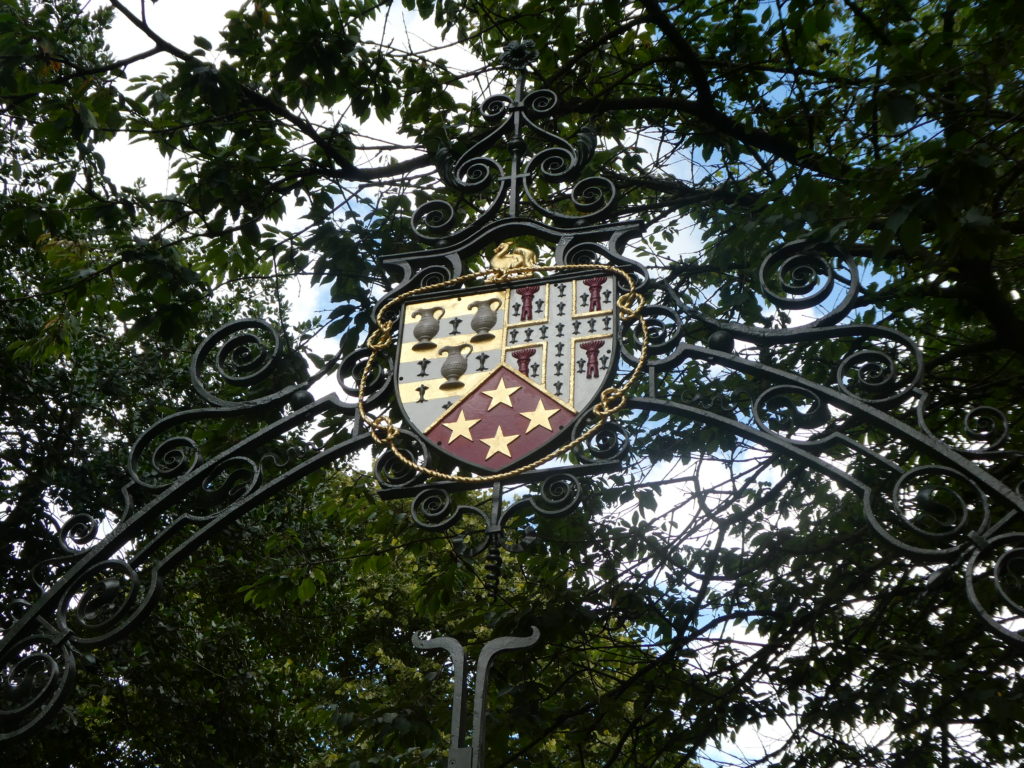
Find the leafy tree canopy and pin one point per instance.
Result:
(750, 600)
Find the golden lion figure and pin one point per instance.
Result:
(508, 256)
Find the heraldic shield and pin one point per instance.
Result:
(494, 377)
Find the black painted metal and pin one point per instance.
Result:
(930, 499)
(459, 754)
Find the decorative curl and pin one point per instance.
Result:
(934, 513)
(559, 495)
(35, 679)
(376, 386)
(433, 510)
(105, 602)
(607, 443)
(433, 218)
(474, 174)
(78, 531)
(987, 425)
(664, 330)
(594, 195)
(495, 108)
(931, 504)
(554, 163)
(788, 410)
(171, 459)
(227, 483)
(432, 275)
(392, 472)
(583, 253)
(995, 584)
(873, 376)
(241, 355)
(796, 277)
(540, 102)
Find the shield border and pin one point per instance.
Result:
(552, 444)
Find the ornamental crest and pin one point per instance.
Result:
(495, 376)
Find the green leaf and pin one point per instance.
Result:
(306, 589)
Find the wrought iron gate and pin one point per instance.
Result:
(489, 374)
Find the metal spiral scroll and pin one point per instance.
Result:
(434, 509)
(931, 512)
(995, 584)
(181, 492)
(847, 401)
(36, 679)
(238, 357)
(514, 183)
(980, 432)
(801, 275)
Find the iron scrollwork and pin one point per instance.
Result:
(816, 394)
(101, 586)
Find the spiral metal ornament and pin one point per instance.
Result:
(594, 195)
(664, 335)
(559, 495)
(796, 413)
(934, 512)
(433, 275)
(433, 219)
(391, 472)
(239, 355)
(553, 163)
(156, 465)
(868, 374)
(78, 531)
(995, 584)
(106, 600)
(433, 509)
(802, 275)
(882, 374)
(495, 108)
(226, 482)
(609, 442)
(476, 174)
(797, 279)
(664, 328)
(34, 682)
(540, 102)
(377, 387)
(988, 426)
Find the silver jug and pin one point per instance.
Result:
(484, 319)
(427, 328)
(454, 366)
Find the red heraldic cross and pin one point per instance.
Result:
(504, 420)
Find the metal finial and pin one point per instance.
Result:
(518, 55)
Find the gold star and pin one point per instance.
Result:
(501, 395)
(499, 443)
(460, 427)
(540, 416)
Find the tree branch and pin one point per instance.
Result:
(754, 137)
(349, 171)
(687, 54)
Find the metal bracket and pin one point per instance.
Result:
(459, 754)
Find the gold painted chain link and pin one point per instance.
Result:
(612, 399)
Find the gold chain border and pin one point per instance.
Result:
(612, 399)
